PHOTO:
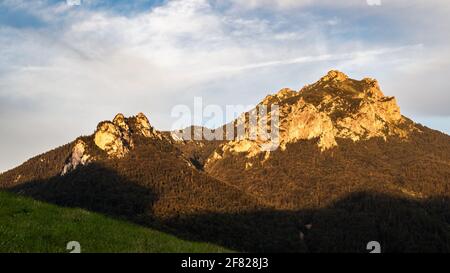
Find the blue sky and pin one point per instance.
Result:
(64, 68)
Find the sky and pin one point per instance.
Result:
(64, 67)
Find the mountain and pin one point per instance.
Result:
(335, 107)
(327, 168)
(130, 171)
(337, 136)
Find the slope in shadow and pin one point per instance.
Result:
(399, 224)
(101, 189)
(92, 187)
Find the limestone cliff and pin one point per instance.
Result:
(333, 107)
(79, 156)
(116, 137)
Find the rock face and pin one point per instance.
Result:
(116, 137)
(144, 128)
(110, 138)
(333, 107)
(78, 157)
(120, 121)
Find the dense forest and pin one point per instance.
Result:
(304, 177)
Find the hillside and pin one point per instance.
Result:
(151, 183)
(32, 226)
(304, 177)
(345, 168)
(337, 136)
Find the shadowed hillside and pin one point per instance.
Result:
(29, 226)
(347, 225)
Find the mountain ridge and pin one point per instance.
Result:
(337, 137)
(333, 107)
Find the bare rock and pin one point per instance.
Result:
(144, 127)
(333, 107)
(116, 138)
(78, 157)
(120, 121)
(334, 75)
(283, 94)
(110, 138)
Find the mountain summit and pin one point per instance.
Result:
(335, 107)
(116, 137)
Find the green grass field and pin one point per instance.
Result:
(27, 226)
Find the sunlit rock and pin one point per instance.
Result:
(78, 157)
(334, 107)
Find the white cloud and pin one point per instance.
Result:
(272, 3)
(296, 4)
(182, 44)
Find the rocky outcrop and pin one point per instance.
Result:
(120, 121)
(283, 94)
(79, 156)
(334, 107)
(110, 138)
(116, 137)
(144, 128)
(306, 122)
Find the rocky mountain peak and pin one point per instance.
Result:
(334, 107)
(116, 137)
(334, 76)
(143, 126)
(112, 139)
(283, 94)
(337, 85)
(120, 121)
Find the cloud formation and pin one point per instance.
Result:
(62, 68)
